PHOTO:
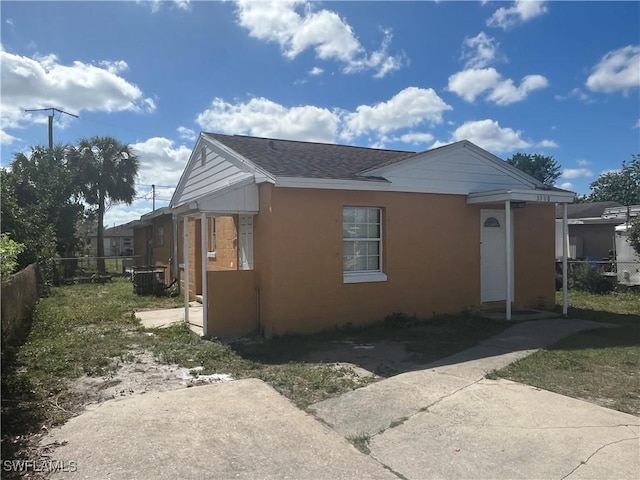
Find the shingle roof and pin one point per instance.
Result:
(290, 158)
(585, 210)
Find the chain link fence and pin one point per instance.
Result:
(86, 269)
(599, 276)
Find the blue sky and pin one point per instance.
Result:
(557, 78)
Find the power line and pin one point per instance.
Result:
(53, 110)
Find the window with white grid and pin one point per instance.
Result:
(361, 240)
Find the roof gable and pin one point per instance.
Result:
(458, 168)
(212, 166)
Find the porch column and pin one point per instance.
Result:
(507, 224)
(175, 267)
(565, 241)
(185, 262)
(204, 228)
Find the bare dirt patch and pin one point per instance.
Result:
(381, 358)
(144, 374)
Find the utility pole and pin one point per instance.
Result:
(153, 187)
(52, 112)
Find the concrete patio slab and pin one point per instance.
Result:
(240, 429)
(505, 430)
(169, 316)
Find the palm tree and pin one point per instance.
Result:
(108, 171)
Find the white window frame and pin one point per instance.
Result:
(364, 276)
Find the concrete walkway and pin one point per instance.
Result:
(444, 422)
(168, 316)
(447, 421)
(242, 429)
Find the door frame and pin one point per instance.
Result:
(500, 213)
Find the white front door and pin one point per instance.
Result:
(246, 241)
(493, 261)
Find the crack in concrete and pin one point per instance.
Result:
(584, 462)
(397, 422)
(578, 427)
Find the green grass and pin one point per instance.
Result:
(90, 329)
(601, 366)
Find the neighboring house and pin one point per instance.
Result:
(591, 236)
(321, 235)
(118, 240)
(154, 240)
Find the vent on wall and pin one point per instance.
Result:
(203, 156)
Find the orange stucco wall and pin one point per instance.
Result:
(431, 247)
(232, 301)
(226, 244)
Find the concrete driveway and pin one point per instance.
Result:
(446, 421)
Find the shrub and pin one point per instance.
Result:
(588, 279)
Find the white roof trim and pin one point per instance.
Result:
(532, 196)
(332, 184)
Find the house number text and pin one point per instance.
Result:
(543, 198)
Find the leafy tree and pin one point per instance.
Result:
(9, 251)
(634, 234)
(40, 204)
(622, 187)
(540, 167)
(107, 173)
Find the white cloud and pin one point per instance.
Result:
(408, 108)
(637, 125)
(160, 162)
(547, 144)
(156, 5)
(187, 134)
(324, 31)
(619, 70)
(9, 22)
(576, 93)
(576, 173)
(264, 118)
(519, 12)
(583, 163)
(489, 135)
(566, 186)
(42, 81)
(479, 51)
(416, 138)
(316, 71)
(471, 83)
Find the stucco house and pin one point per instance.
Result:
(318, 235)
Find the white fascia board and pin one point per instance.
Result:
(532, 196)
(593, 221)
(332, 184)
(155, 213)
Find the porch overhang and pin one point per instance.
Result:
(516, 198)
(238, 198)
(528, 196)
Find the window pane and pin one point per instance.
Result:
(361, 231)
(361, 215)
(374, 215)
(348, 263)
(349, 215)
(348, 248)
(374, 231)
(349, 231)
(361, 263)
(360, 248)
(373, 263)
(373, 248)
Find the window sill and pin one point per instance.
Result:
(364, 277)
